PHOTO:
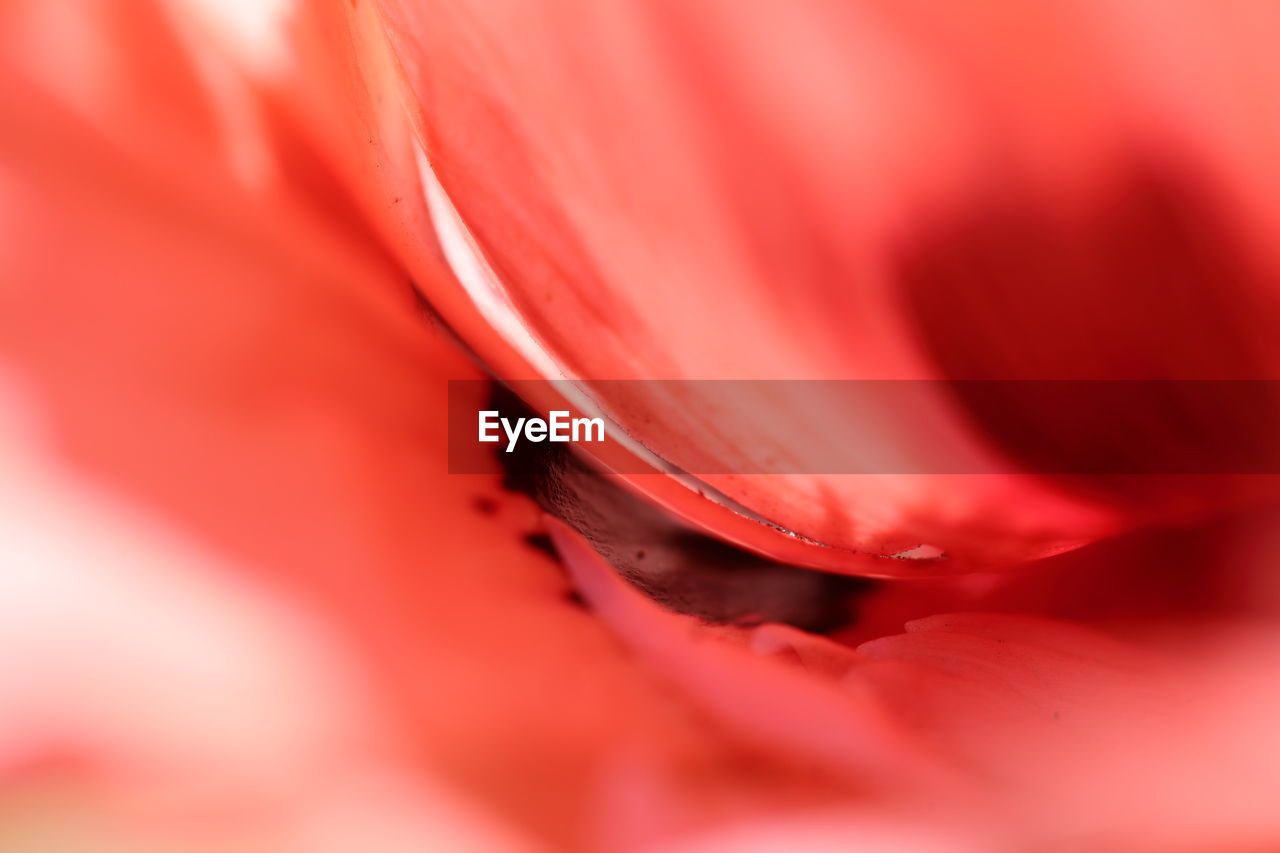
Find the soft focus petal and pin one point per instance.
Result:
(773, 704)
(892, 191)
(149, 686)
(247, 607)
(1015, 731)
(1087, 744)
(227, 348)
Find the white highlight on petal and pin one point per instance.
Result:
(920, 552)
(477, 277)
(256, 29)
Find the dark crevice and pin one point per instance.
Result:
(680, 568)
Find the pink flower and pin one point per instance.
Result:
(247, 607)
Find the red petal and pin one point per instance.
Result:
(231, 351)
(821, 190)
